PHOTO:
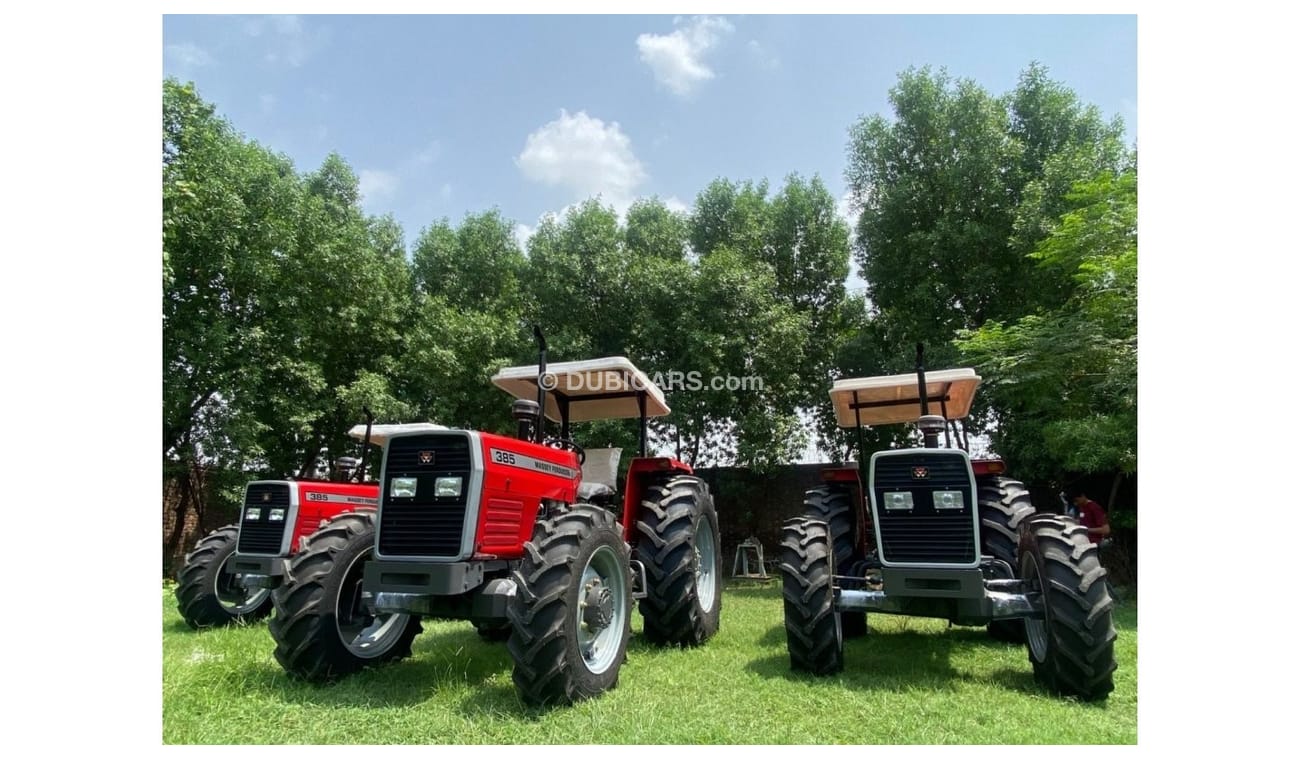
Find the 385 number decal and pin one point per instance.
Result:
(503, 457)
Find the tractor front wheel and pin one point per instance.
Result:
(679, 545)
(833, 505)
(813, 633)
(208, 594)
(321, 629)
(571, 612)
(1004, 504)
(1072, 649)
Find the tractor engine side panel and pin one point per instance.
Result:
(319, 502)
(518, 475)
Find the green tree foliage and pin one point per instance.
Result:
(283, 304)
(955, 191)
(228, 210)
(1063, 381)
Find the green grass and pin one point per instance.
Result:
(909, 681)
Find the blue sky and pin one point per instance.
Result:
(445, 115)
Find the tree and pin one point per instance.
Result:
(953, 194)
(1064, 381)
(955, 191)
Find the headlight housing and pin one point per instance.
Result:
(449, 487)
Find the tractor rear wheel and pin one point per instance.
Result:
(571, 612)
(680, 548)
(208, 594)
(813, 633)
(322, 632)
(833, 505)
(1072, 649)
(1004, 504)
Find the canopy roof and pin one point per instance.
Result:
(891, 399)
(595, 389)
(379, 434)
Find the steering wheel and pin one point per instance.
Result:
(567, 444)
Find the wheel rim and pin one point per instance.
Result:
(706, 563)
(364, 635)
(601, 616)
(230, 591)
(1036, 629)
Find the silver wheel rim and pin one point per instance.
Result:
(231, 593)
(599, 643)
(1036, 629)
(706, 563)
(364, 635)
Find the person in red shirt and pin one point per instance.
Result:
(1091, 515)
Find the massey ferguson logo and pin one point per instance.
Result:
(426, 457)
(920, 473)
(266, 496)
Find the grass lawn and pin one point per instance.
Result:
(909, 681)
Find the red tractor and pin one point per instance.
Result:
(526, 537)
(932, 532)
(229, 576)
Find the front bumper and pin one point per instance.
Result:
(457, 590)
(965, 597)
(259, 572)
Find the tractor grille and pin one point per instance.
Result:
(262, 536)
(925, 535)
(424, 525)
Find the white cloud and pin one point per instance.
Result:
(187, 54)
(291, 40)
(376, 184)
(676, 204)
(522, 233)
(428, 154)
(677, 59)
(765, 59)
(585, 155)
(844, 208)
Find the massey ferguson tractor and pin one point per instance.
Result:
(931, 532)
(527, 537)
(229, 576)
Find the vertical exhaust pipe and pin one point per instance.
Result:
(540, 431)
(929, 425)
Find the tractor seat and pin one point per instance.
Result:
(599, 474)
(587, 492)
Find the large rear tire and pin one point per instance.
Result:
(833, 505)
(680, 547)
(208, 594)
(571, 612)
(813, 633)
(1072, 649)
(321, 630)
(1004, 504)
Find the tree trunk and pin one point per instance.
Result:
(1114, 491)
(171, 549)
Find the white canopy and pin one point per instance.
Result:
(892, 399)
(588, 386)
(379, 434)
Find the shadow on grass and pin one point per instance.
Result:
(458, 658)
(901, 660)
